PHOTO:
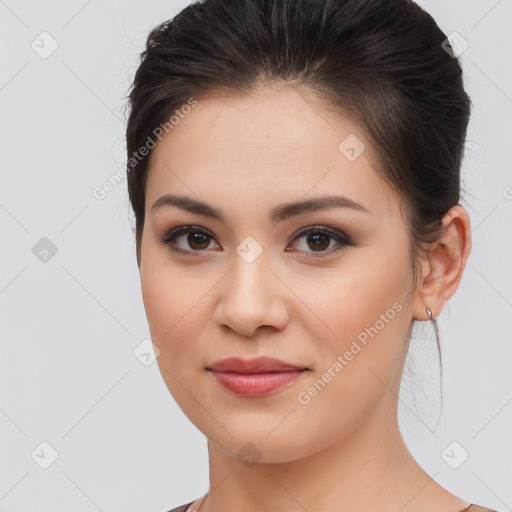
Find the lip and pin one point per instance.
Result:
(255, 377)
(250, 366)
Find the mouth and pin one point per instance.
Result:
(251, 366)
(255, 377)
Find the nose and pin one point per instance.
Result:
(252, 296)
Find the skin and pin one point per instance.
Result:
(343, 450)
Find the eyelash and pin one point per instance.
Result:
(338, 236)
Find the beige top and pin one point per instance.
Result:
(471, 508)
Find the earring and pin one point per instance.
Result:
(433, 323)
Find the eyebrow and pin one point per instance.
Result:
(280, 213)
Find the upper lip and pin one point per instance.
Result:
(257, 365)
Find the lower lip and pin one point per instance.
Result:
(256, 384)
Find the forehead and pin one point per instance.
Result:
(272, 146)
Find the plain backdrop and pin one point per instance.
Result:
(85, 423)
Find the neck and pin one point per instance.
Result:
(371, 469)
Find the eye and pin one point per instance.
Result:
(322, 240)
(196, 238)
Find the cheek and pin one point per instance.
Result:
(161, 305)
(167, 303)
(359, 364)
(364, 320)
(367, 290)
(177, 310)
(172, 312)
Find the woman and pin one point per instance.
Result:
(294, 170)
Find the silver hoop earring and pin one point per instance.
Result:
(429, 313)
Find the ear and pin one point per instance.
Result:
(442, 271)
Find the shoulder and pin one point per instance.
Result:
(471, 508)
(183, 508)
(477, 508)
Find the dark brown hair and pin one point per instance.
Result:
(382, 63)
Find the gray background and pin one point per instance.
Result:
(70, 321)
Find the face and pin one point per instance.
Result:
(325, 289)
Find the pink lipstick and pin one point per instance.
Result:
(255, 377)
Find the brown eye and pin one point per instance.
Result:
(318, 241)
(321, 240)
(187, 239)
(198, 240)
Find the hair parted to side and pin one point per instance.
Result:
(379, 62)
